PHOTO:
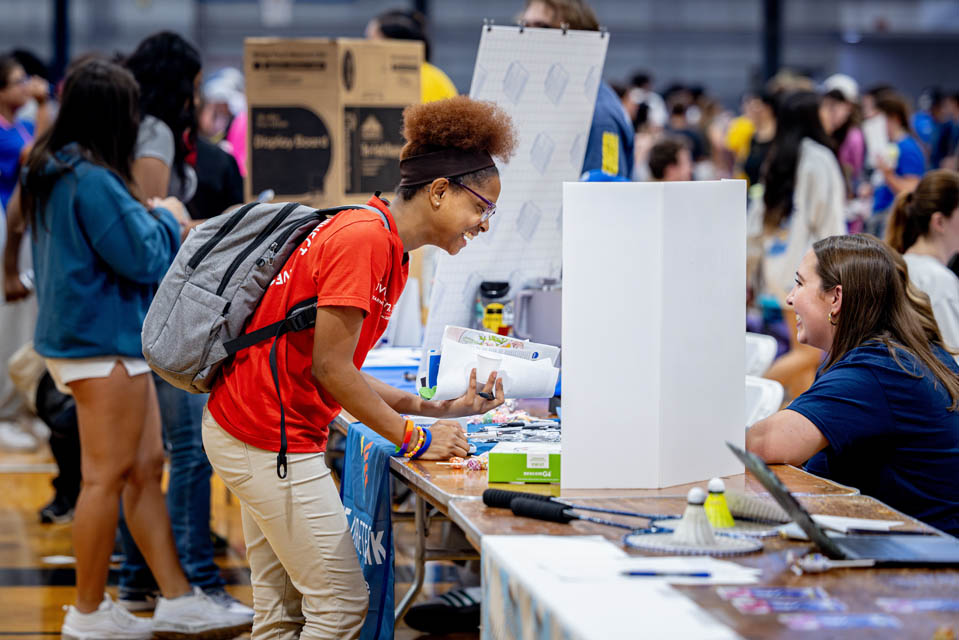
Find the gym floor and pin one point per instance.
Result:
(34, 588)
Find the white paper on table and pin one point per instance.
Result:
(521, 378)
(619, 608)
(841, 524)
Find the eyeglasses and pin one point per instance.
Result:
(490, 206)
(17, 82)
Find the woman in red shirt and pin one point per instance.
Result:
(306, 577)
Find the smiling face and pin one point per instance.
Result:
(813, 306)
(457, 214)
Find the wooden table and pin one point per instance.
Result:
(441, 487)
(857, 588)
(440, 484)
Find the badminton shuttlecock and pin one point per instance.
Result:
(717, 511)
(748, 507)
(693, 535)
(694, 529)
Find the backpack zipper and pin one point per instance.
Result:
(225, 229)
(285, 236)
(263, 235)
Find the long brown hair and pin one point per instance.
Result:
(877, 305)
(100, 113)
(937, 191)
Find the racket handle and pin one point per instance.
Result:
(502, 499)
(541, 510)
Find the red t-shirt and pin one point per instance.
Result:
(349, 261)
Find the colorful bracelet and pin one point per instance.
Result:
(426, 445)
(419, 442)
(407, 438)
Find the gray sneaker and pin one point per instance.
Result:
(231, 604)
(196, 616)
(108, 622)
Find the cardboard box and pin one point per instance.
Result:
(325, 116)
(524, 462)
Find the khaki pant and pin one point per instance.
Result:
(306, 577)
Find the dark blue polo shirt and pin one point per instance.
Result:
(890, 431)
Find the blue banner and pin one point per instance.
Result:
(365, 491)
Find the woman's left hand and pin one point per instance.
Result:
(472, 403)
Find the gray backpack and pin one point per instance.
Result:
(216, 281)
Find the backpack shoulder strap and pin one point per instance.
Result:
(302, 314)
(349, 207)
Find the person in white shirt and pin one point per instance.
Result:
(803, 200)
(924, 227)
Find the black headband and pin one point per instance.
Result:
(446, 163)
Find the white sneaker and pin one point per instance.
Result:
(13, 438)
(228, 602)
(197, 617)
(35, 426)
(108, 622)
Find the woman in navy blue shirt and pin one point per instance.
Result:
(882, 413)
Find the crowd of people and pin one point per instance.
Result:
(105, 172)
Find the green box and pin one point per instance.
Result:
(524, 462)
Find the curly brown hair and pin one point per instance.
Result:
(459, 123)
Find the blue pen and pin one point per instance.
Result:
(668, 574)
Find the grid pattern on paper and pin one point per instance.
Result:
(547, 81)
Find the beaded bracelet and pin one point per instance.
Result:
(426, 445)
(407, 438)
(419, 442)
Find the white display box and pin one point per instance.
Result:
(654, 312)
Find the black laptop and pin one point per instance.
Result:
(885, 549)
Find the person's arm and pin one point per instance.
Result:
(843, 409)
(138, 244)
(336, 335)
(906, 174)
(469, 404)
(897, 183)
(153, 158)
(40, 90)
(13, 288)
(152, 177)
(786, 437)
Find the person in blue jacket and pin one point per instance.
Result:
(883, 413)
(99, 254)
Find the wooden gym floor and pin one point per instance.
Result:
(34, 588)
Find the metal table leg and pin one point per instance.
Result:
(422, 555)
(422, 530)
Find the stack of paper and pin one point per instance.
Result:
(526, 368)
(574, 586)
